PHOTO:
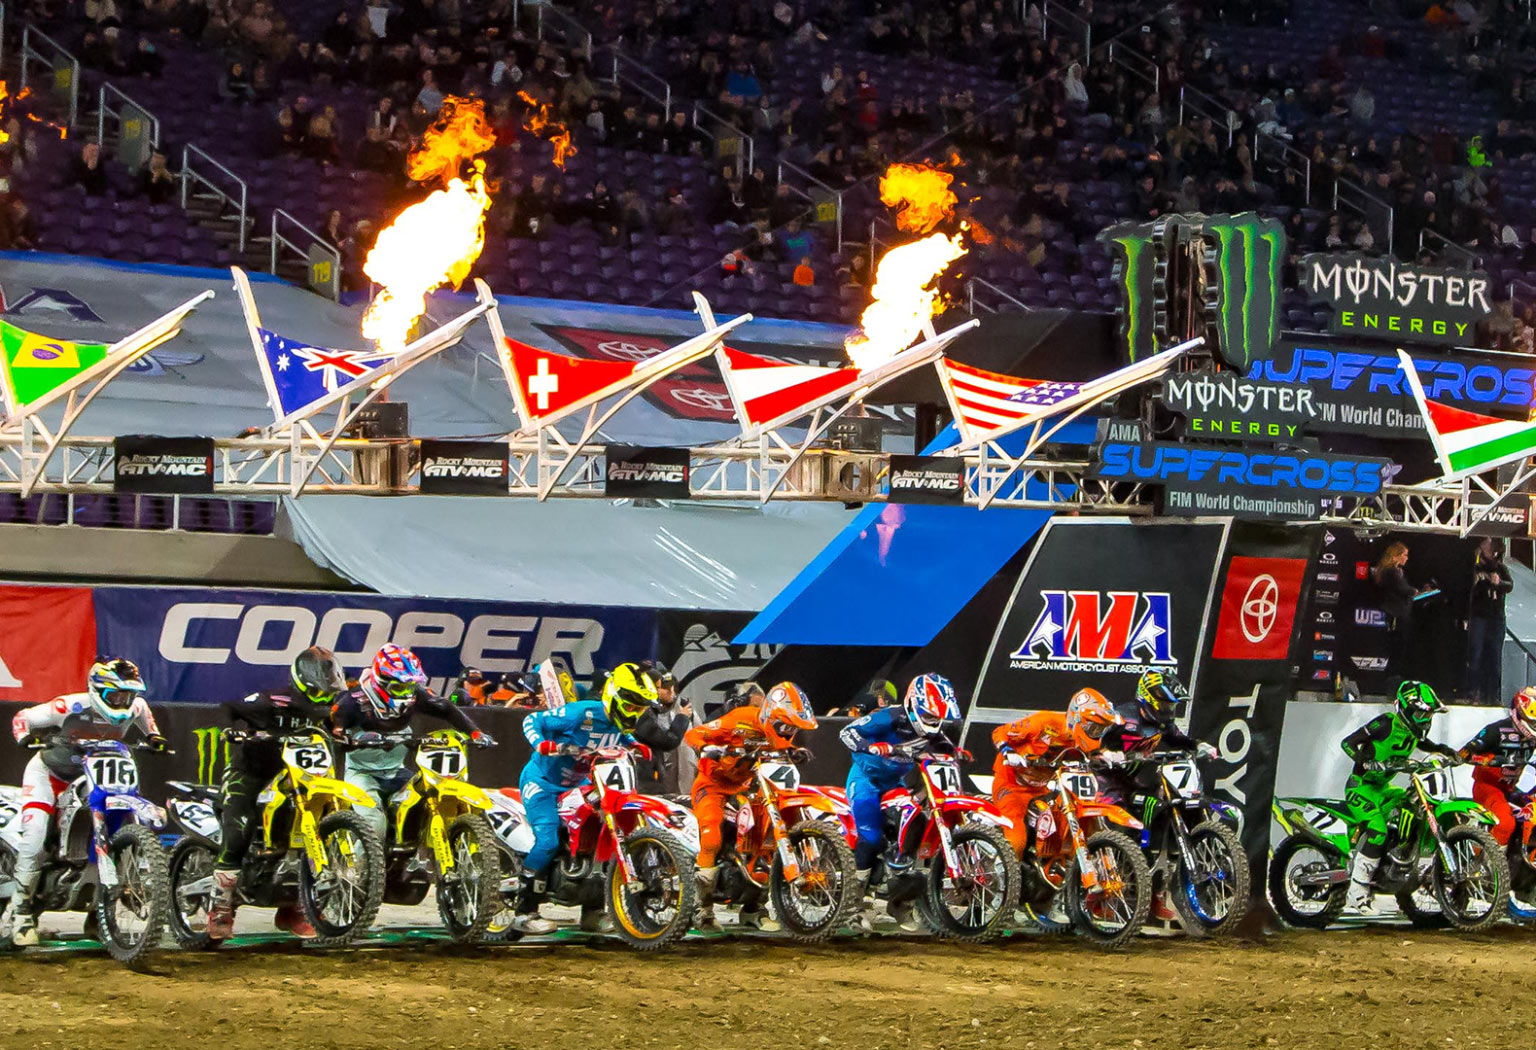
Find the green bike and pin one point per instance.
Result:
(1441, 863)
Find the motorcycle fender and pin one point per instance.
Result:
(467, 793)
(1224, 812)
(318, 786)
(790, 801)
(144, 811)
(651, 807)
(198, 819)
(1464, 807)
(965, 807)
(409, 797)
(1110, 812)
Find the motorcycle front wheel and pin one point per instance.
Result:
(342, 901)
(469, 896)
(657, 908)
(192, 891)
(1114, 908)
(1476, 892)
(1210, 885)
(978, 901)
(815, 904)
(131, 916)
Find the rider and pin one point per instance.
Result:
(1028, 749)
(315, 681)
(112, 704)
(885, 744)
(387, 694)
(1500, 753)
(725, 773)
(559, 735)
(1379, 748)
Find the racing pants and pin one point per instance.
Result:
(1014, 800)
(40, 790)
(541, 806)
(864, 794)
(1490, 795)
(242, 782)
(710, 798)
(381, 785)
(1371, 802)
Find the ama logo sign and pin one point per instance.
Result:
(1117, 632)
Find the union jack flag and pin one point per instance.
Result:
(303, 374)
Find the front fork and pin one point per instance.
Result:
(787, 859)
(437, 838)
(106, 868)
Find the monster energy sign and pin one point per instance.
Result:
(1388, 299)
(1211, 275)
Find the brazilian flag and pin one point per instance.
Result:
(36, 365)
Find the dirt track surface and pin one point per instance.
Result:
(1384, 987)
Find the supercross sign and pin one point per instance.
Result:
(1095, 631)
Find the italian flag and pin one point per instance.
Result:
(1467, 442)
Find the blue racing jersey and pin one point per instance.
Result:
(584, 724)
(888, 725)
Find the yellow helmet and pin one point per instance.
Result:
(630, 689)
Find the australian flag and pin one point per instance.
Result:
(304, 374)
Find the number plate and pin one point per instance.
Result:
(782, 775)
(112, 773)
(1437, 785)
(615, 776)
(442, 761)
(1083, 785)
(945, 776)
(311, 758)
(1324, 822)
(1183, 778)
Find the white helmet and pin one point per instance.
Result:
(113, 686)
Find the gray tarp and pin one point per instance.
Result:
(579, 551)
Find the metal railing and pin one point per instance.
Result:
(190, 175)
(1139, 66)
(1069, 25)
(836, 196)
(1295, 160)
(1460, 254)
(973, 303)
(327, 283)
(104, 110)
(1357, 198)
(627, 72)
(3, 14)
(57, 60)
(547, 18)
(747, 158)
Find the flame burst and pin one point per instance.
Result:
(6, 98)
(920, 194)
(904, 298)
(435, 241)
(538, 122)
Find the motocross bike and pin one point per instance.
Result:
(620, 851)
(1080, 871)
(102, 853)
(1437, 847)
(965, 878)
(1194, 854)
(438, 835)
(788, 839)
(311, 848)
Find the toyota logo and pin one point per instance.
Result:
(626, 351)
(1260, 606)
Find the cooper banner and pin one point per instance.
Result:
(927, 479)
(639, 471)
(1366, 391)
(1242, 689)
(1098, 603)
(1380, 297)
(463, 468)
(210, 644)
(177, 465)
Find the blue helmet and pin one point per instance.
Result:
(930, 704)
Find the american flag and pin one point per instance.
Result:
(987, 405)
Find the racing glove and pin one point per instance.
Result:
(963, 754)
(480, 739)
(1205, 750)
(551, 747)
(1111, 758)
(881, 749)
(642, 751)
(712, 751)
(799, 754)
(1374, 767)
(156, 742)
(1013, 758)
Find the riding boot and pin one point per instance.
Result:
(527, 918)
(705, 922)
(753, 916)
(864, 907)
(1361, 876)
(19, 921)
(221, 914)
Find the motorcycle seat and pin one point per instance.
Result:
(204, 792)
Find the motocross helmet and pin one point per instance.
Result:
(630, 689)
(1416, 705)
(930, 703)
(317, 676)
(784, 713)
(1522, 712)
(113, 684)
(1158, 696)
(555, 685)
(390, 684)
(1090, 716)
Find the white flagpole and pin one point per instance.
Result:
(253, 328)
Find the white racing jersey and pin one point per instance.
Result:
(72, 719)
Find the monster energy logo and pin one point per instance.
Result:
(1239, 283)
(212, 753)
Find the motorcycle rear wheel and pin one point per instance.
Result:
(827, 874)
(469, 901)
(1112, 916)
(343, 903)
(191, 862)
(142, 892)
(1316, 910)
(661, 911)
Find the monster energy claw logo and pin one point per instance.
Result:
(212, 754)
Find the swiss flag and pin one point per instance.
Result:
(771, 390)
(550, 382)
(1258, 608)
(47, 641)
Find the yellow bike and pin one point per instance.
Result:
(439, 836)
(313, 849)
